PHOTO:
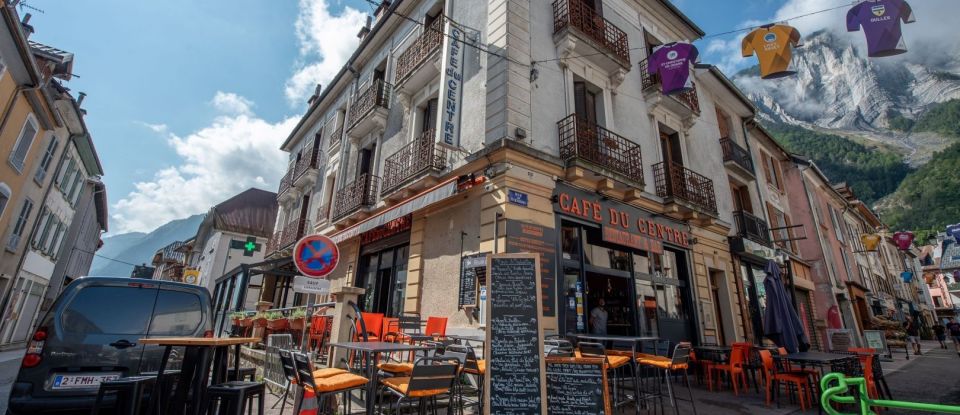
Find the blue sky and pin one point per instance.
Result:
(188, 100)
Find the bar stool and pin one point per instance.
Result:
(613, 363)
(162, 390)
(246, 373)
(234, 395)
(128, 391)
(679, 362)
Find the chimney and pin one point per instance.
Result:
(25, 23)
(316, 94)
(80, 99)
(381, 9)
(365, 29)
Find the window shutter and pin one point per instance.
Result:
(766, 168)
(27, 135)
(47, 160)
(778, 171)
(20, 224)
(429, 115)
(45, 221)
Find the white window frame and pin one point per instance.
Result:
(43, 224)
(32, 121)
(16, 232)
(7, 195)
(46, 160)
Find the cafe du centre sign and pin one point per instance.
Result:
(621, 224)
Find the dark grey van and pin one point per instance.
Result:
(91, 334)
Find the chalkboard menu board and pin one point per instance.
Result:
(529, 237)
(471, 267)
(576, 386)
(515, 345)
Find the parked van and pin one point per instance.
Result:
(91, 334)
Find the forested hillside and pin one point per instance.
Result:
(928, 198)
(872, 172)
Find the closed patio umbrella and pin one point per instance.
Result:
(781, 324)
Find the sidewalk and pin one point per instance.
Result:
(9, 365)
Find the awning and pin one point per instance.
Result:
(414, 203)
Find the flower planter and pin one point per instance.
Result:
(260, 322)
(235, 321)
(296, 323)
(278, 324)
(246, 322)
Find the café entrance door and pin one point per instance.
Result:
(664, 296)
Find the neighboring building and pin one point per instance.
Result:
(51, 167)
(233, 232)
(941, 271)
(142, 271)
(168, 262)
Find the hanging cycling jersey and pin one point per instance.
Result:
(672, 62)
(773, 45)
(880, 20)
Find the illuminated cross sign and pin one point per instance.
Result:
(249, 246)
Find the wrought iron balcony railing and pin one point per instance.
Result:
(738, 155)
(376, 95)
(414, 159)
(359, 193)
(286, 236)
(285, 183)
(652, 81)
(420, 50)
(675, 181)
(752, 227)
(336, 136)
(577, 15)
(323, 214)
(274, 242)
(308, 161)
(584, 140)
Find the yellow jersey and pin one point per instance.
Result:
(773, 45)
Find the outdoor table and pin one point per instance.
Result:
(371, 350)
(634, 342)
(195, 369)
(720, 353)
(819, 359)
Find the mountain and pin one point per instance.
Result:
(138, 247)
(927, 199)
(838, 89)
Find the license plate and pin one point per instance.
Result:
(82, 380)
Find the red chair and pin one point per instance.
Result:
(374, 324)
(436, 327)
(800, 381)
(391, 326)
(733, 368)
(319, 332)
(866, 356)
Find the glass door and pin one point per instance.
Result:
(383, 275)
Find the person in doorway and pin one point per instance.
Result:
(954, 329)
(913, 334)
(598, 318)
(941, 332)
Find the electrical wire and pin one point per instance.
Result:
(106, 257)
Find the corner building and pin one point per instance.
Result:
(532, 131)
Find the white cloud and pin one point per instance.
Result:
(235, 152)
(326, 42)
(157, 128)
(231, 104)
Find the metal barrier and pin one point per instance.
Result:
(272, 369)
(836, 394)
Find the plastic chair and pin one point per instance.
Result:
(436, 327)
(319, 332)
(733, 368)
(773, 379)
(372, 324)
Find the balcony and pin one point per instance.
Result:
(323, 215)
(600, 150)
(290, 234)
(335, 138)
(369, 109)
(752, 228)
(412, 71)
(579, 31)
(350, 201)
(684, 104)
(415, 166)
(688, 191)
(737, 158)
(286, 184)
(306, 171)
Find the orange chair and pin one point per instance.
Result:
(814, 374)
(436, 327)
(704, 369)
(390, 327)
(733, 368)
(374, 324)
(319, 332)
(866, 356)
(801, 382)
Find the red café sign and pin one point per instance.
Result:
(394, 227)
(622, 225)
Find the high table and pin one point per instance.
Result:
(634, 342)
(195, 369)
(371, 350)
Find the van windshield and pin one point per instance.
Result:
(178, 313)
(109, 310)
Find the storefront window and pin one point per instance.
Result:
(670, 302)
(647, 302)
(574, 316)
(571, 242)
(384, 276)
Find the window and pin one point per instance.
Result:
(771, 169)
(177, 314)
(64, 178)
(783, 234)
(46, 161)
(836, 223)
(56, 240)
(94, 310)
(27, 134)
(75, 193)
(46, 220)
(4, 197)
(20, 225)
(937, 302)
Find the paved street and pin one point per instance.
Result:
(9, 363)
(932, 378)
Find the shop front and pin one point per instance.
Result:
(750, 258)
(384, 253)
(622, 270)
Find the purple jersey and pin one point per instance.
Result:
(672, 61)
(880, 20)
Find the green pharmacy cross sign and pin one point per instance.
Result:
(249, 246)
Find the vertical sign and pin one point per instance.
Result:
(471, 267)
(514, 346)
(451, 86)
(529, 237)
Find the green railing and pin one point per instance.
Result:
(838, 394)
